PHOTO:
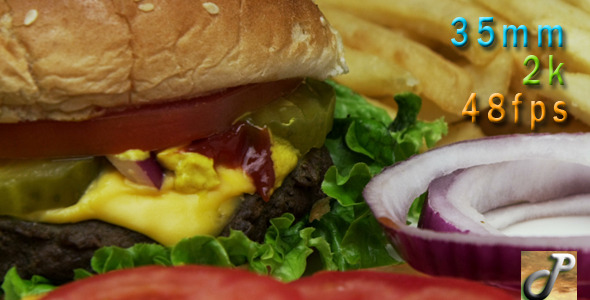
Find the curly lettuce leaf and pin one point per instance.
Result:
(15, 287)
(283, 254)
(352, 105)
(408, 108)
(365, 142)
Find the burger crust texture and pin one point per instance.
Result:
(71, 59)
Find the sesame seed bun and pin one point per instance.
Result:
(68, 60)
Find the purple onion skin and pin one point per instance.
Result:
(153, 170)
(495, 264)
(429, 219)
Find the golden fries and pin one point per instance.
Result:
(440, 80)
(492, 78)
(532, 14)
(428, 18)
(461, 131)
(582, 4)
(374, 76)
(396, 46)
(575, 94)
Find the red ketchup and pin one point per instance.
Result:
(243, 145)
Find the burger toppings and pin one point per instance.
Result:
(55, 250)
(196, 196)
(344, 237)
(199, 186)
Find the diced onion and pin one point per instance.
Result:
(146, 172)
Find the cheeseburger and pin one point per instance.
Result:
(151, 121)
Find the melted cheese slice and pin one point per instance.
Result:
(167, 215)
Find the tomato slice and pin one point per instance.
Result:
(185, 282)
(148, 128)
(206, 282)
(379, 285)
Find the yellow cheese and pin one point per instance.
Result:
(133, 155)
(166, 215)
(171, 213)
(284, 158)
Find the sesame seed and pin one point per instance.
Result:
(146, 7)
(211, 8)
(31, 16)
(323, 21)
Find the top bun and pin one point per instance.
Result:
(68, 60)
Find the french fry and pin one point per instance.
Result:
(527, 12)
(390, 109)
(492, 78)
(461, 131)
(445, 83)
(428, 112)
(429, 18)
(582, 4)
(374, 76)
(575, 122)
(531, 14)
(574, 94)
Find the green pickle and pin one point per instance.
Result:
(304, 117)
(27, 186)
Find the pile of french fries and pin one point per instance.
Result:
(396, 46)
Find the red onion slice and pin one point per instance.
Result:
(576, 205)
(462, 200)
(491, 258)
(146, 172)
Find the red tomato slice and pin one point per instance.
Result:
(186, 282)
(367, 285)
(148, 128)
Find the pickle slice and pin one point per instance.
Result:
(304, 117)
(30, 185)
